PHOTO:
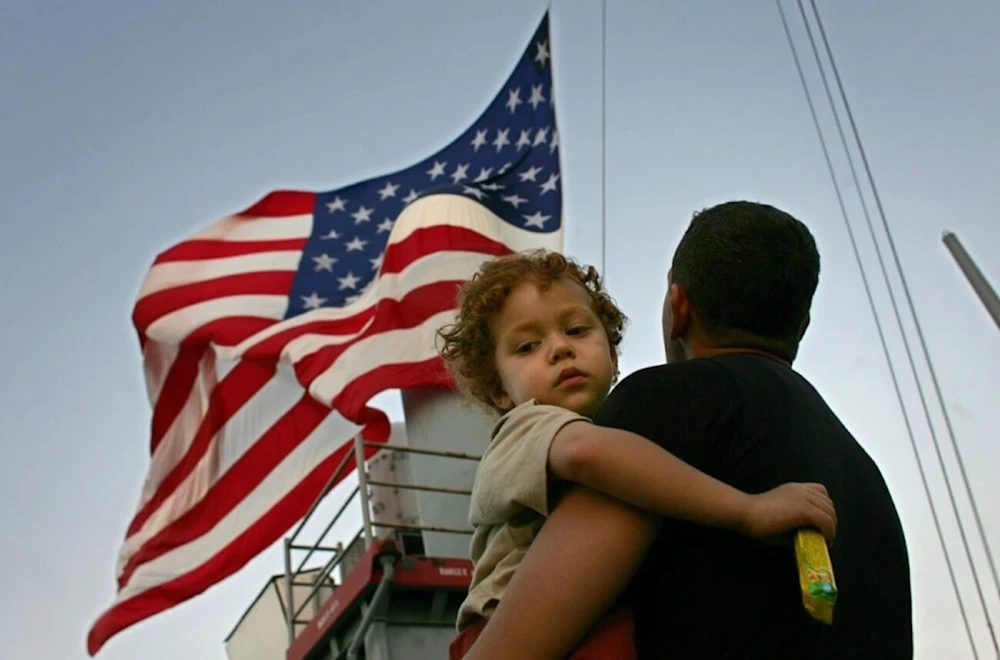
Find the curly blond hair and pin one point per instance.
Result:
(468, 347)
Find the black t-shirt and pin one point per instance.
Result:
(755, 423)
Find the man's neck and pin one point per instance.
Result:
(700, 351)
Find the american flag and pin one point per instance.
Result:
(265, 335)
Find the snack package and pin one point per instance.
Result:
(819, 591)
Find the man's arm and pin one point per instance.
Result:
(577, 567)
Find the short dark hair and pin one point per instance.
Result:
(750, 271)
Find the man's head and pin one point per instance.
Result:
(743, 277)
(534, 325)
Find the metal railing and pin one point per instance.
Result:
(337, 552)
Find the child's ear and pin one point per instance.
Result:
(501, 400)
(614, 363)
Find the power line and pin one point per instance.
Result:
(878, 325)
(604, 128)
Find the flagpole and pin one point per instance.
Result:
(976, 279)
(604, 129)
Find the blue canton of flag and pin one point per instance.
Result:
(508, 160)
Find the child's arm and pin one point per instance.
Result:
(635, 470)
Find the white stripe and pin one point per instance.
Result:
(176, 273)
(157, 360)
(241, 228)
(321, 443)
(458, 211)
(172, 328)
(392, 347)
(244, 429)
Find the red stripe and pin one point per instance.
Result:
(418, 306)
(439, 238)
(282, 203)
(229, 331)
(271, 347)
(257, 537)
(215, 249)
(357, 393)
(175, 391)
(226, 399)
(231, 488)
(159, 304)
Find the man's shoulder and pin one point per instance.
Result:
(675, 377)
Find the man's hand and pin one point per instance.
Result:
(789, 507)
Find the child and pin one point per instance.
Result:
(536, 340)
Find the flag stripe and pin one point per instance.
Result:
(177, 386)
(178, 273)
(217, 249)
(245, 228)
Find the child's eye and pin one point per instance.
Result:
(578, 330)
(524, 348)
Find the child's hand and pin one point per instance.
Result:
(789, 507)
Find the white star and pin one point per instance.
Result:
(549, 185)
(554, 142)
(484, 173)
(492, 186)
(524, 140)
(501, 139)
(504, 168)
(412, 196)
(312, 301)
(461, 172)
(437, 170)
(336, 205)
(363, 214)
(541, 136)
(542, 55)
(355, 244)
(514, 100)
(536, 96)
(333, 234)
(530, 174)
(348, 282)
(388, 191)
(385, 225)
(514, 199)
(476, 192)
(479, 140)
(536, 219)
(352, 299)
(324, 262)
(377, 261)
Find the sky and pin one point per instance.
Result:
(127, 126)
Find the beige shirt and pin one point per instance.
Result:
(510, 500)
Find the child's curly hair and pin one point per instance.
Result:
(468, 347)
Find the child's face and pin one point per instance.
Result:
(551, 346)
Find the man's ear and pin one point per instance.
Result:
(804, 326)
(680, 312)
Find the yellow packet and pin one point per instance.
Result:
(819, 591)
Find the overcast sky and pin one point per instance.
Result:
(128, 125)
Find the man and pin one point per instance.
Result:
(727, 402)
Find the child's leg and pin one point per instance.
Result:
(466, 637)
(612, 638)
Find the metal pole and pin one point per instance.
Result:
(975, 276)
(388, 573)
(359, 462)
(290, 604)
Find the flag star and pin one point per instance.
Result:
(536, 219)
(476, 192)
(536, 97)
(355, 244)
(514, 199)
(524, 140)
(352, 299)
(501, 139)
(461, 172)
(542, 55)
(385, 225)
(363, 214)
(514, 100)
(336, 205)
(377, 261)
(542, 136)
(554, 142)
(388, 191)
(492, 186)
(484, 173)
(549, 185)
(530, 174)
(437, 170)
(333, 234)
(479, 140)
(504, 168)
(312, 301)
(412, 196)
(324, 262)
(350, 281)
